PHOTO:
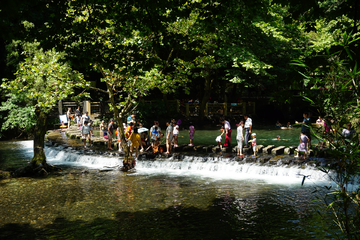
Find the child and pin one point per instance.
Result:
(102, 125)
(135, 141)
(218, 140)
(176, 134)
(85, 133)
(154, 137)
(91, 128)
(304, 144)
(191, 134)
(253, 135)
(288, 125)
(240, 138)
(63, 125)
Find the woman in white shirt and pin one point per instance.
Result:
(240, 138)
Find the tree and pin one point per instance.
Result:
(236, 43)
(126, 42)
(334, 91)
(42, 79)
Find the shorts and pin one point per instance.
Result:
(175, 135)
(84, 136)
(153, 140)
(240, 144)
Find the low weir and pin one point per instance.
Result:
(273, 162)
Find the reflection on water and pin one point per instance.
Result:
(154, 205)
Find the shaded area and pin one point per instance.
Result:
(226, 218)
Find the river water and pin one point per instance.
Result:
(197, 197)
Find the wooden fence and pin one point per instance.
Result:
(188, 109)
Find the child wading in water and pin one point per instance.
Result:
(304, 144)
(85, 133)
(191, 134)
(254, 143)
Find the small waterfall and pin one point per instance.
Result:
(230, 169)
(214, 167)
(76, 158)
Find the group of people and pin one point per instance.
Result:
(240, 138)
(137, 136)
(84, 123)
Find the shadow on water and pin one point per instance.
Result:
(226, 218)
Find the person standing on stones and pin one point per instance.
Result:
(169, 136)
(68, 115)
(85, 133)
(78, 116)
(305, 125)
(227, 131)
(156, 124)
(85, 117)
(248, 128)
(240, 138)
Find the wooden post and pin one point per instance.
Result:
(177, 105)
(60, 107)
(207, 109)
(87, 107)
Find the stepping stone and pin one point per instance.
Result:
(198, 148)
(289, 150)
(188, 148)
(238, 158)
(247, 151)
(226, 149)
(259, 148)
(250, 159)
(267, 150)
(277, 151)
(216, 149)
(274, 160)
(286, 160)
(208, 148)
(264, 158)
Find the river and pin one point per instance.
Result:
(196, 197)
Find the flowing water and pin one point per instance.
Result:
(191, 198)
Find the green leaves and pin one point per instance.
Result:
(42, 79)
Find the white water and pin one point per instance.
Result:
(215, 168)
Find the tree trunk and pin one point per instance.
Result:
(129, 161)
(206, 95)
(39, 139)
